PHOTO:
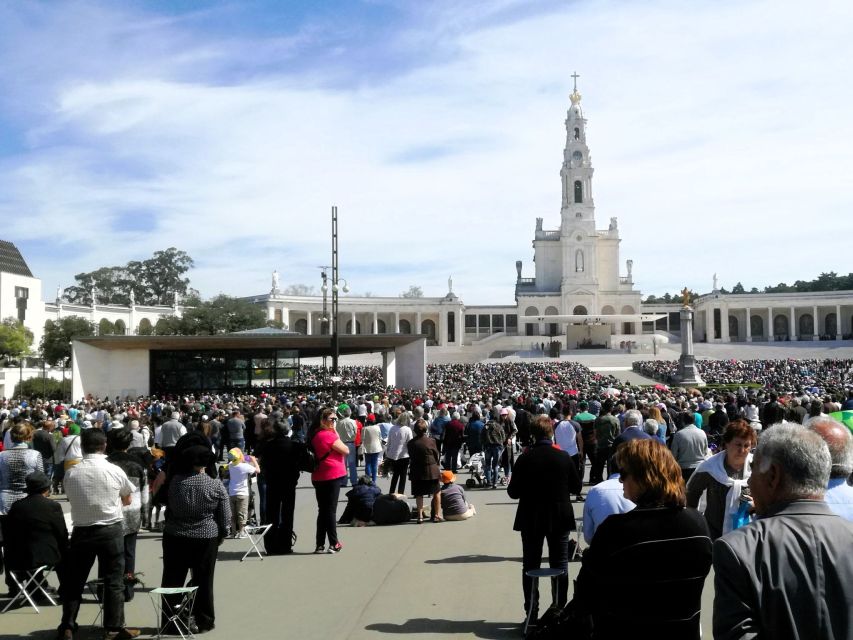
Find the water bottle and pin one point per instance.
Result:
(741, 517)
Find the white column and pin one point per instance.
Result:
(396, 322)
(442, 328)
(792, 332)
(769, 330)
(724, 323)
(667, 321)
(460, 326)
(815, 326)
(309, 330)
(748, 325)
(352, 322)
(417, 323)
(375, 323)
(838, 332)
(285, 317)
(270, 312)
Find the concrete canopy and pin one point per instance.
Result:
(120, 365)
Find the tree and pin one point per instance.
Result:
(15, 338)
(299, 290)
(106, 328)
(413, 291)
(145, 327)
(738, 288)
(222, 314)
(152, 282)
(55, 344)
(45, 388)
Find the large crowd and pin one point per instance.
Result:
(217, 464)
(789, 375)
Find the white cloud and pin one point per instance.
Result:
(719, 144)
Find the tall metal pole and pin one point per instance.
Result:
(335, 344)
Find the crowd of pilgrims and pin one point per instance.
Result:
(791, 375)
(492, 409)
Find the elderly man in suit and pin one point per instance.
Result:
(543, 481)
(789, 573)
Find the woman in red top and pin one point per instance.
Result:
(331, 455)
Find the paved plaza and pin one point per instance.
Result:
(446, 580)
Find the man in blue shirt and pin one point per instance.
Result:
(839, 494)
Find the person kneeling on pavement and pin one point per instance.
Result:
(453, 503)
(360, 500)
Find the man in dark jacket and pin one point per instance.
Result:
(543, 481)
(279, 457)
(35, 528)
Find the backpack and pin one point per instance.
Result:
(307, 460)
(494, 433)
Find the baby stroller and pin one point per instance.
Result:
(476, 467)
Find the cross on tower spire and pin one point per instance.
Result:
(575, 76)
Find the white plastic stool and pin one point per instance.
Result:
(177, 615)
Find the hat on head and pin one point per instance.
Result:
(504, 411)
(37, 482)
(447, 476)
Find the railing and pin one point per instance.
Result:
(626, 280)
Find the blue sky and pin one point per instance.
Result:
(720, 135)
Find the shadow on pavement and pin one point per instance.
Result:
(475, 628)
(471, 559)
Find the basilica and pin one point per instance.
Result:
(577, 294)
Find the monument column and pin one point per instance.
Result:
(792, 332)
(815, 325)
(460, 327)
(285, 317)
(748, 325)
(375, 323)
(687, 374)
(442, 328)
(417, 322)
(838, 332)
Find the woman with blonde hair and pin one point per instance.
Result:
(661, 545)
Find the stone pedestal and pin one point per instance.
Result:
(687, 374)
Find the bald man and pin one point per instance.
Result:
(839, 492)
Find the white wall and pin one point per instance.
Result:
(103, 372)
(410, 365)
(34, 320)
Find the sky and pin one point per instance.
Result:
(719, 131)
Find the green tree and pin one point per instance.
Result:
(222, 314)
(106, 328)
(15, 338)
(55, 344)
(46, 389)
(738, 288)
(145, 327)
(154, 281)
(413, 291)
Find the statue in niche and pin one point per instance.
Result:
(579, 261)
(613, 225)
(539, 224)
(275, 281)
(630, 265)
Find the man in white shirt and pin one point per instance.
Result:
(96, 491)
(603, 500)
(171, 432)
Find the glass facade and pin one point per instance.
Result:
(215, 371)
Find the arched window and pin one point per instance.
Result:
(121, 327)
(578, 191)
(579, 310)
(607, 310)
(577, 157)
(551, 327)
(357, 326)
(577, 133)
(405, 327)
(756, 326)
(780, 326)
(428, 329)
(579, 261)
(380, 326)
(301, 326)
(106, 328)
(806, 325)
(145, 328)
(531, 328)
